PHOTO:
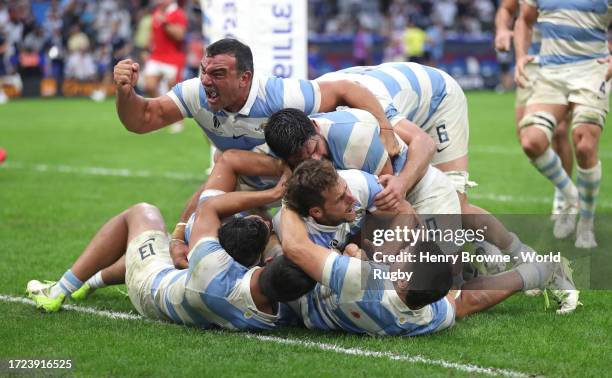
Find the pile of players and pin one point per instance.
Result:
(389, 140)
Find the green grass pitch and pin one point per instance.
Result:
(71, 165)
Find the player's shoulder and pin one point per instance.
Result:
(356, 177)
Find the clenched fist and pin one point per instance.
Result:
(125, 75)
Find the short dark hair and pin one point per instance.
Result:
(430, 281)
(307, 183)
(286, 132)
(244, 239)
(282, 281)
(231, 46)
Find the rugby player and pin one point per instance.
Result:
(223, 179)
(216, 290)
(571, 78)
(503, 41)
(349, 298)
(229, 101)
(432, 100)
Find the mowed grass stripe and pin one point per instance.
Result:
(467, 368)
(185, 176)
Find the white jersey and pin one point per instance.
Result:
(364, 187)
(353, 140)
(352, 299)
(243, 130)
(214, 291)
(572, 31)
(404, 90)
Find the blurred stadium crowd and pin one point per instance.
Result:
(82, 39)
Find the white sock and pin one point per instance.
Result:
(535, 275)
(68, 284)
(588, 181)
(96, 281)
(549, 165)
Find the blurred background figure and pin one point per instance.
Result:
(362, 46)
(167, 60)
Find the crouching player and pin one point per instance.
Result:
(216, 290)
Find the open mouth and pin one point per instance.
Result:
(211, 93)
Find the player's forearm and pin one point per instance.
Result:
(298, 248)
(505, 15)
(522, 38)
(235, 202)
(421, 149)
(249, 163)
(176, 32)
(404, 218)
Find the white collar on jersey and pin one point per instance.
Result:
(255, 84)
(252, 310)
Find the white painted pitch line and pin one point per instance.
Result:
(466, 368)
(102, 171)
(184, 176)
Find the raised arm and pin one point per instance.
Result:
(523, 30)
(210, 212)
(223, 177)
(230, 165)
(349, 93)
(503, 24)
(138, 114)
(298, 248)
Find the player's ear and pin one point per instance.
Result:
(316, 126)
(316, 212)
(245, 79)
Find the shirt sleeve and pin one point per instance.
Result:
(364, 186)
(186, 95)
(304, 95)
(345, 276)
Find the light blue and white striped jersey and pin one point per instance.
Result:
(572, 31)
(214, 291)
(352, 299)
(536, 41)
(353, 139)
(364, 187)
(243, 130)
(404, 90)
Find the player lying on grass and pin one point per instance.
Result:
(417, 96)
(324, 207)
(223, 179)
(351, 298)
(216, 290)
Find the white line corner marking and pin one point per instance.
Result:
(467, 368)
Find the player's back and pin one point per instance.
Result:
(354, 297)
(404, 90)
(353, 140)
(213, 291)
